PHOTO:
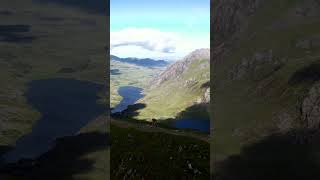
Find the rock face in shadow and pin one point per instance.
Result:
(230, 18)
(311, 108)
(265, 72)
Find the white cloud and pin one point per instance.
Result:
(153, 43)
(150, 39)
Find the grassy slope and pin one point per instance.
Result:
(173, 96)
(137, 154)
(100, 158)
(248, 106)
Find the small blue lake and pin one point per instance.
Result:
(130, 95)
(202, 125)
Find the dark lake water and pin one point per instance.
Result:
(130, 95)
(202, 125)
(115, 72)
(15, 33)
(66, 106)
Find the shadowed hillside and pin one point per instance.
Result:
(266, 82)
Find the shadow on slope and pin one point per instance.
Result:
(63, 161)
(195, 111)
(293, 155)
(3, 150)
(131, 112)
(310, 73)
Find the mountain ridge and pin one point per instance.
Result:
(183, 86)
(146, 62)
(177, 68)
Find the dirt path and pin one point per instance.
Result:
(149, 128)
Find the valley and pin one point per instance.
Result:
(127, 74)
(176, 95)
(178, 135)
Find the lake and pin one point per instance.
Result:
(66, 105)
(130, 95)
(202, 125)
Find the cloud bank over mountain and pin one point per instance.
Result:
(147, 38)
(155, 44)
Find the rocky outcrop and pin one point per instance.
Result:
(229, 17)
(310, 110)
(176, 69)
(207, 96)
(308, 43)
(261, 63)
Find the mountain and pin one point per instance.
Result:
(266, 75)
(146, 62)
(182, 89)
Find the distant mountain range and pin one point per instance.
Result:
(146, 62)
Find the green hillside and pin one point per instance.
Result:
(182, 85)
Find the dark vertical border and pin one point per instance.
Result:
(211, 87)
(108, 81)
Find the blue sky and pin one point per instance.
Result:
(159, 28)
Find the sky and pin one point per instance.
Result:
(159, 29)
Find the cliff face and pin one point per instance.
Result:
(182, 85)
(175, 70)
(229, 18)
(265, 70)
